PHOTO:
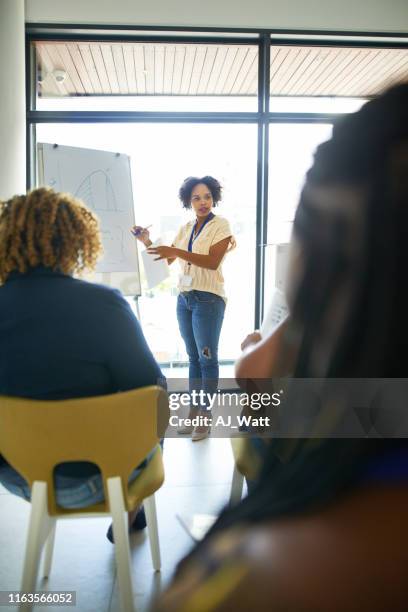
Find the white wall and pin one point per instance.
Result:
(363, 15)
(12, 98)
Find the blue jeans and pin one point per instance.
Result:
(200, 315)
(70, 492)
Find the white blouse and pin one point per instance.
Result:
(203, 279)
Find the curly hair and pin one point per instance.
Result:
(46, 228)
(192, 181)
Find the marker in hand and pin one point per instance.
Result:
(137, 232)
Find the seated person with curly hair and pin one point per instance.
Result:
(61, 337)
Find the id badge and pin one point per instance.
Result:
(186, 280)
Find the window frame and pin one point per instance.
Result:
(263, 118)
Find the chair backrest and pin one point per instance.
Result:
(115, 432)
(247, 460)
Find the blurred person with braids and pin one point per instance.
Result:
(61, 337)
(325, 527)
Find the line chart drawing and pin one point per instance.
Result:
(97, 191)
(103, 181)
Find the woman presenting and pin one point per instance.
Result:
(200, 246)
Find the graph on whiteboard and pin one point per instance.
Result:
(103, 181)
(98, 192)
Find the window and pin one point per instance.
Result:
(143, 76)
(162, 155)
(320, 78)
(291, 149)
(182, 103)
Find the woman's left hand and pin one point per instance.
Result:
(253, 338)
(164, 252)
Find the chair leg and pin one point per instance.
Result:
(152, 528)
(122, 551)
(236, 487)
(49, 550)
(39, 527)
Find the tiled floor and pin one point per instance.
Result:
(198, 480)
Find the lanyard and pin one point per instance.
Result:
(192, 237)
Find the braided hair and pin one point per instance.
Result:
(349, 306)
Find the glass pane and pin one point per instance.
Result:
(288, 165)
(162, 155)
(330, 79)
(80, 75)
(286, 104)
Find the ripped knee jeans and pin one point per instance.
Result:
(200, 315)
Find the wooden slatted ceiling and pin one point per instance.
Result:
(147, 69)
(324, 71)
(215, 70)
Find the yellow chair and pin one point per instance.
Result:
(247, 464)
(115, 432)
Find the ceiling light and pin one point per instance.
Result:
(59, 75)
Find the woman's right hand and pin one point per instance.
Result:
(142, 234)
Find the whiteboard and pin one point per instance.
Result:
(101, 179)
